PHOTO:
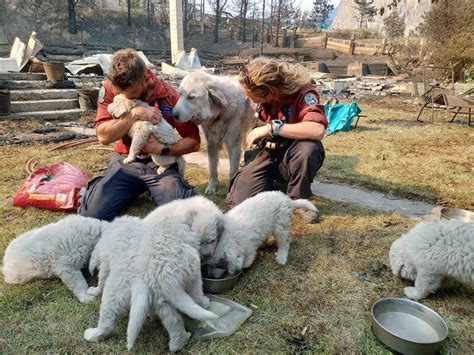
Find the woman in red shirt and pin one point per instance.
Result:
(288, 136)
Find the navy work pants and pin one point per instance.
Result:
(121, 183)
(295, 166)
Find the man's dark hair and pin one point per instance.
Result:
(126, 69)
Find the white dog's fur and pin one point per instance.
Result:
(247, 226)
(155, 263)
(219, 106)
(58, 249)
(203, 215)
(432, 251)
(141, 130)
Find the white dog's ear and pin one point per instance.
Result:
(217, 98)
(120, 106)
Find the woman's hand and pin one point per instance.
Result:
(146, 114)
(257, 134)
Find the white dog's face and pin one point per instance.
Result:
(120, 106)
(209, 227)
(17, 270)
(198, 99)
(400, 263)
(227, 254)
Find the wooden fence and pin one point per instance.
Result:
(295, 39)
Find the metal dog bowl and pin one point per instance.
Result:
(220, 285)
(407, 326)
(457, 214)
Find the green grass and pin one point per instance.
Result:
(314, 304)
(390, 152)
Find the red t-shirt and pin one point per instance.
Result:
(301, 106)
(164, 94)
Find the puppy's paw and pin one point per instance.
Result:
(86, 298)
(412, 293)
(161, 170)
(179, 342)
(203, 302)
(281, 258)
(93, 291)
(92, 334)
(128, 160)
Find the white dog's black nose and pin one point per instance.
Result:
(175, 114)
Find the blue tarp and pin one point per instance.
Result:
(340, 116)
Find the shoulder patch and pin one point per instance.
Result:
(101, 95)
(311, 99)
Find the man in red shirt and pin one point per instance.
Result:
(108, 193)
(291, 127)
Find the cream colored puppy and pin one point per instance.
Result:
(141, 130)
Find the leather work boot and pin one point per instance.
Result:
(307, 215)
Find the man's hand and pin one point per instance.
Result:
(257, 134)
(146, 114)
(153, 146)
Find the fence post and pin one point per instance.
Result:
(352, 44)
(384, 45)
(284, 34)
(293, 38)
(325, 40)
(422, 47)
(231, 32)
(202, 27)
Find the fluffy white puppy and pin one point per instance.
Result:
(141, 130)
(145, 268)
(247, 226)
(432, 251)
(58, 249)
(203, 216)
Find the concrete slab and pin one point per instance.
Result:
(200, 159)
(375, 200)
(43, 94)
(62, 115)
(35, 84)
(349, 194)
(43, 105)
(22, 76)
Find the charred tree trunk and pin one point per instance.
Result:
(71, 8)
(216, 25)
(278, 23)
(129, 13)
(244, 21)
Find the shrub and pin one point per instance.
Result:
(394, 25)
(449, 30)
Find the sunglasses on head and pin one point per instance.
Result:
(245, 75)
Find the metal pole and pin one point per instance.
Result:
(263, 26)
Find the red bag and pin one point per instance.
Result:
(55, 186)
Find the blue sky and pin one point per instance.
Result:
(308, 4)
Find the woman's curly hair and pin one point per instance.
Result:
(264, 76)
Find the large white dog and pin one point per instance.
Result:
(219, 106)
(431, 252)
(247, 226)
(146, 267)
(58, 249)
(141, 130)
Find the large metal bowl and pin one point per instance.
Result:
(220, 285)
(407, 326)
(457, 214)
